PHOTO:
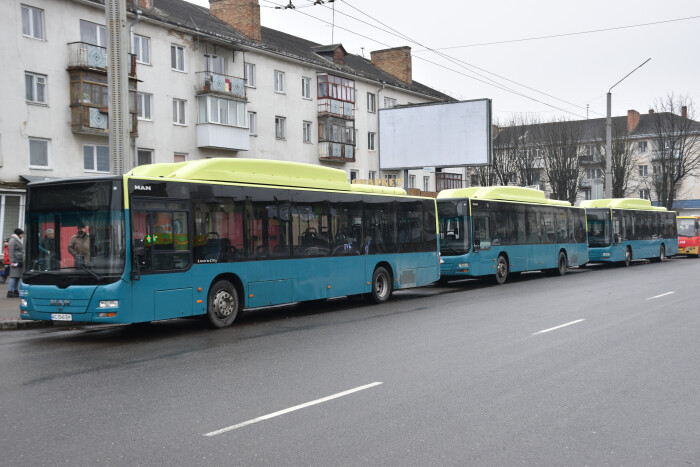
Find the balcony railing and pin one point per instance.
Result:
(84, 55)
(336, 108)
(339, 152)
(209, 82)
(95, 121)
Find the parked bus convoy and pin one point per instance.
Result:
(212, 237)
(688, 236)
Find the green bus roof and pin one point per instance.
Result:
(621, 203)
(503, 193)
(259, 172)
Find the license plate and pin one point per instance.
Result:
(61, 317)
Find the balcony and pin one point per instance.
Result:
(93, 57)
(336, 108)
(208, 82)
(90, 120)
(217, 136)
(336, 152)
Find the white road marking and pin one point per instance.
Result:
(558, 327)
(659, 296)
(291, 409)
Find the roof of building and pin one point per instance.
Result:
(198, 20)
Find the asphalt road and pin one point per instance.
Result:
(468, 374)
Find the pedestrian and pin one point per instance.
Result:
(16, 253)
(47, 249)
(5, 260)
(79, 246)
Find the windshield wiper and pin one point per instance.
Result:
(92, 273)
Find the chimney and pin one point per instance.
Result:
(684, 111)
(396, 62)
(651, 111)
(244, 15)
(632, 120)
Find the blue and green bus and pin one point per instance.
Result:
(501, 230)
(211, 237)
(623, 229)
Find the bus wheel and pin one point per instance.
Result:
(562, 264)
(628, 257)
(501, 270)
(381, 286)
(662, 254)
(222, 304)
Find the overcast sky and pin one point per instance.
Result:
(487, 42)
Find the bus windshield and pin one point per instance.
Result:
(599, 234)
(75, 233)
(454, 227)
(687, 227)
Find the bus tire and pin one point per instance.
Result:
(562, 264)
(501, 270)
(628, 257)
(381, 286)
(222, 304)
(662, 253)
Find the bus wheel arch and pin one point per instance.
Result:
(502, 268)
(382, 283)
(224, 300)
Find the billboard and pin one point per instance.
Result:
(449, 134)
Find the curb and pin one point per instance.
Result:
(12, 325)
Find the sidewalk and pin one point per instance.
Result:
(9, 314)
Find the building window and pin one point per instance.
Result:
(32, 22)
(96, 158)
(279, 81)
(426, 183)
(306, 87)
(39, 153)
(179, 108)
(307, 132)
(177, 57)
(594, 173)
(335, 87)
(446, 181)
(372, 175)
(144, 156)
(144, 105)
(280, 131)
(249, 74)
(214, 63)
(643, 170)
(389, 102)
(141, 47)
(371, 137)
(11, 213)
(35, 87)
(253, 123)
(371, 103)
(391, 179)
(411, 181)
(223, 111)
(644, 193)
(642, 146)
(179, 157)
(353, 175)
(92, 33)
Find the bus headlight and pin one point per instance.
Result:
(23, 302)
(109, 304)
(463, 265)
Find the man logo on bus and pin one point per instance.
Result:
(142, 187)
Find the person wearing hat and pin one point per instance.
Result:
(47, 247)
(16, 252)
(79, 245)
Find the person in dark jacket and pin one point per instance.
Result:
(16, 250)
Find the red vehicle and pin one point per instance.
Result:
(688, 238)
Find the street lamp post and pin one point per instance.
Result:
(608, 136)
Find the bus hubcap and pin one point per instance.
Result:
(380, 286)
(223, 303)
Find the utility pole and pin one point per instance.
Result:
(608, 136)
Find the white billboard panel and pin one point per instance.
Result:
(437, 135)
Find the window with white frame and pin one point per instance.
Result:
(39, 153)
(141, 48)
(411, 181)
(222, 111)
(35, 84)
(371, 141)
(179, 109)
(144, 106)
(642, 146)
(95, 158)
(253, 123)
(144, 156)
(249, 74)
(32, 22)
(391, 179)
(594, 173)
(214, 63)
(177, 57)
(305, 87)
(280, 130)
(389, 102)
(92, 33)
(426, 183)
(644, 193)
(306, 131)
(643, 170)
(371, 103)
(279, 81)
(372, 175)
(180, 157)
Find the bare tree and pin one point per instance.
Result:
(676, 146)
(484, 175)
(559, 142)
(623, 158)
(506, 146)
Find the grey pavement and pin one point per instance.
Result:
(9, 314)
